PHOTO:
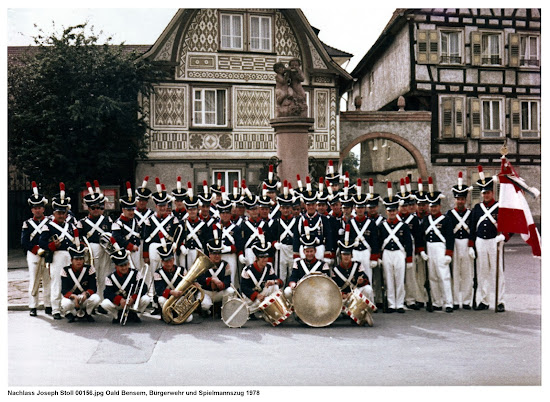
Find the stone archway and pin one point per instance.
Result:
(415, 153)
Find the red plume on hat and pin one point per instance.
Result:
(481, 174)
(144, 183)
(129, 190)
(420, 186)
(189, 190)
(390, 190)
(178, 184)
(299, 182)
(430, 186)
(157, 184)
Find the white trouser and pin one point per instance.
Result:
(411, 286)
(187, 261)
(363, 257)
(32, 263)
(68, 306)
(393, 262)
(486, 261)
(231, 259)
(112, 309)
(135, 260)
(211, 297)
(463, 274)
(284, 261)
(421, 293)
(367, 292)
(102, 265)
(253, 306)
(155, 262)
(439, 275)
(61, 258)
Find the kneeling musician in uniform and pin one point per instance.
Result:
(123, 287)
(259, 279)
(78, 286)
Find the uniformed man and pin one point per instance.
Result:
(93, 227)
(167, 278)
(195, 231)
(229, 234)
(56, 237)
(272, 185)
(463, 266)
(259, 279)
(216, 282)
(30, 237)
(205, 197)
(178, 195)
(422, 212)
(396, 249)
(333, 178)
(216, 190)
(437, 250)
(282, 229)
(485, 237)
(249, 229)
(406, 198)
(142, 212)
(78, 286)
(124, 286)
(126, 230)
(323, 199)
(372, 203)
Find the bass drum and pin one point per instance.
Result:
(235, 312)
(317, 300)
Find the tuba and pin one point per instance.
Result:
(177, 309)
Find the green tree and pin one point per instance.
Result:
(350, 164)
(73, 110)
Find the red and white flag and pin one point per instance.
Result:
(514, 215)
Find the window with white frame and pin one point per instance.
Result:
(228, 177)
(529, 50)
(451, 47)
(491, 49)
(231, 31)
(530, 118)
(492, 118)
(260, 33)
(209, 107)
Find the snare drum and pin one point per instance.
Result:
(235, 312)
(317, 300)
(359, 308)
(276, 308)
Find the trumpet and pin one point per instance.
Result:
(105, 242)
(126, 309)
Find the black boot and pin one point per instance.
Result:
(32, 313)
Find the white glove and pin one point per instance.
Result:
(341, 232)
(288, 292)
(379, 262)
(424, 255)
(500, 238)
(184, 250)
(329, 261)
(409, 265)
(373, 264)
(277, 246)
(226, 249)
(242, 259)
(447, 260)
(471, 253)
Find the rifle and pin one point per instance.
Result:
(429, 305)
(383, 289)
(474, 304)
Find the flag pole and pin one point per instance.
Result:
(503, 152)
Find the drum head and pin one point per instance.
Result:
(235, 313)
(317, 300)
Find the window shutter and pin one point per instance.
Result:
(515, 121)
(447, 121)
(475, 41)
(514, 49)
(459, 119)
(434, 47)
(422, 42)
(475, 118)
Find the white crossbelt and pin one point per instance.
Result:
(94, 226)
(193, 232)
(487, 213)
(216, 273)
(275, 210)
(258, 282)
(143, 217)
(170, 283)
(347, 281)
(434, 227)
(77, 280)
(226, 233)
(392, 236)
(360, 233)
(37, 228)
(287, 229)
(63, 231)
(160, 227)
(254, 230)
(314, 269)
(461, 221)
(130, 230)
(122, 287)
(317, 226)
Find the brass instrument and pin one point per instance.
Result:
(126, 309)
(176, 310)
(105, 242)
(41, 266)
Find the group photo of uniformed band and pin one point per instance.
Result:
(315, 251)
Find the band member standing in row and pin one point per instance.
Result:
(438, 245)
(216, 282)
(230, 236)
(195, 230)
(396, 248)
(123, 287)
(283, 232)
(92, 228)
(178, 195)
(30, 236)
(421, 266)
(485, 237)
(78, 286)
(56, 237)
(463, 265)
(126, 230)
